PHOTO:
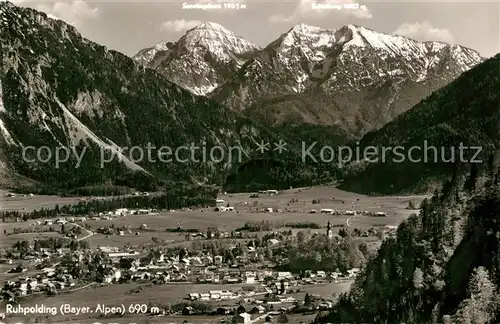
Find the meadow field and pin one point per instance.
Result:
(250, 210)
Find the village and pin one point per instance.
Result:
(257, 270)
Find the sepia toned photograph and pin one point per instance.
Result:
(249, 161)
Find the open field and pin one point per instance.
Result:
(329, 197)
(38, 201)
(9, 240)
(116, 295)
(249, 210)
(226, 221)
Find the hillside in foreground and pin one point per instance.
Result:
(442, 267)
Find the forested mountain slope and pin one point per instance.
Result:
(60, 90)
(443, 265)
(466, 112)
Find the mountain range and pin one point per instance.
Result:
(463, 113)
(60, 90)
(442, 264)
(351, 77)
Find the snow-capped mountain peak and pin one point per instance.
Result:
(212, 26)
(304, 37)
(352, 67)
(304, 29)
(201, 59)
(147, 55)
(217, 40)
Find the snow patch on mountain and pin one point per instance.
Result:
(202, 59)
(217, 40)
(3, 130)
(147, 55)
(309, 40)
(81, 132)
(6, 135)
(353, 38)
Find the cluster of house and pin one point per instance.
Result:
(223, 209)
(50, 222)
(126, 265)
(270, 192)
(273, 282)
(48, 280)
(266, 313)
(23, 286)
(38, 256)
(138, 193)
(218, 295)
(312, 211)
(120, 212)
(13, 195)
(349, 212)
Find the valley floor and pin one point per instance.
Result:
(295, 206)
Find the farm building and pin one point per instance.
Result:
(244, 318)
(121, 211)
(269, 192)
(258, 309)
(223, 209)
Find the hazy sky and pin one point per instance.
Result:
(129, 26)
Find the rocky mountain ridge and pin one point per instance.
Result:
(352, 77)
(61, 91)
(201, 60)
(462, 114)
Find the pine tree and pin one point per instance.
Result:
(471, 182)
(418, 278)
(480, 307)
